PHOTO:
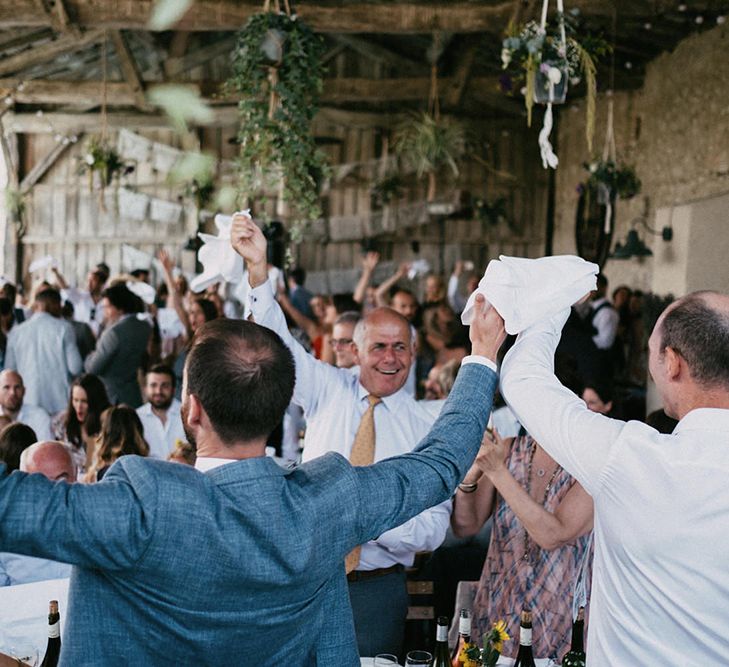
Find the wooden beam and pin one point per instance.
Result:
(41, 168)
(78, 93)
(454, 94)
(380, 54)
(56, 12)
(49, 51)
(176, 66)
(22, 38)
(129, 69)
(461, 16)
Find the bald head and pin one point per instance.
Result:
(11, 392)
(51, 459)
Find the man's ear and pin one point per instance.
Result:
(195, 413)
(355, 351)
(672, 363)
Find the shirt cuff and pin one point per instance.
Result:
(260, 298)
(478, 359)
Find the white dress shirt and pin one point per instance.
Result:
(606, 322)
(333, 401)
(44, 351)
(17, 569)
(660, 590)
(161, 437)
(37, 418)
(85, 309)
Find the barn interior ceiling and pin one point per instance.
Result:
(54, 54)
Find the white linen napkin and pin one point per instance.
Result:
(143, 290)
(525, 291)
(42, 263)
(220, 262)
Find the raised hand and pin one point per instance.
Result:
(371, 260)
(164, 257)
(248, 241)
(492, 455)
(487, 331)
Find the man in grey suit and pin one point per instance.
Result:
(121, 346)
(240, 561)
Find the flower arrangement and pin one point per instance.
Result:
(492, 212)
(200, 190)
(493, 644)
(620, 180)
(540, 59)
(100, 158)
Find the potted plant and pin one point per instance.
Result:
(277, 71)
(545, 57)
(429, 142)
(620, 180)
(102, 159)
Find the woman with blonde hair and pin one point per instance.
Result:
(121, 434)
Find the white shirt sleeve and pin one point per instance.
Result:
(579, 440)
(424, 532)
(456, 301)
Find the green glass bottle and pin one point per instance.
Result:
(441, 656)
(525, 657)
(576, 656)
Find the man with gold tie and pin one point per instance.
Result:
(366, 418)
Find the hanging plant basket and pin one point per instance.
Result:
(277, 72)
(595, 222)
(550, 83)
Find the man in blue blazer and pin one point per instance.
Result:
(242, 563)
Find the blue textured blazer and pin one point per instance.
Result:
(243, 565)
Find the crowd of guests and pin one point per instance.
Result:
(94, 374)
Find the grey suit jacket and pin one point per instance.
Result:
(243, 565)
(119, 353)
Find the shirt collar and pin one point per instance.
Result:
(704, 419)
(207, 463)
(393, 402)
(174, 409)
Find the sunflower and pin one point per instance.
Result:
(499, 635)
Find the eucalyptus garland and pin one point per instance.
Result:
(277, 71)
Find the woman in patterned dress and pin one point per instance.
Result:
(541, 523)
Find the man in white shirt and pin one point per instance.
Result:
(12, 405)
(54, 461)
(160, 415)
(86, 303)
(660, 590)
(334, 401)
(43, 350)
(603, 316)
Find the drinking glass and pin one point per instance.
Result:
(23, 650)
(422, 658)
(386, 660)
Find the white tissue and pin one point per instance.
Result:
(42, 263)
(525, 291)
(143, 290)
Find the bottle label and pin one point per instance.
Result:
(464, 626)
(441, 633)
(525, 636)
(54, 630)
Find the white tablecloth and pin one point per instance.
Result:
(24, 612)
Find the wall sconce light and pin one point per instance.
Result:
(634, 246)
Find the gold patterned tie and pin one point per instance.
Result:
(363, 454)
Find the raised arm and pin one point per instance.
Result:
(62, 282)
(369, 263)
(174, 295)
(579, 440)
(383, 291)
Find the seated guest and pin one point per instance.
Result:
(80, 423)
(53, 460)
(160, 415)
(13, 440)
(121, 434)
(12, 404)
(121, 347)
(243, 557)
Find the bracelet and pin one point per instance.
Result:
(468, 488)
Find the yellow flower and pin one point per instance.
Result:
(499, 635)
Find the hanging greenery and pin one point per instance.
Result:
(428, 143)
(531, 53)
(278, 73)
(102, 159)
(620, 180)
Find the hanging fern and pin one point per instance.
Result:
(589, 70)
(277, 71)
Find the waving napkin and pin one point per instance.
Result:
(42, 263)
(220, 262)
(524, 291)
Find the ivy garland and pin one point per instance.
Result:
(277, 71)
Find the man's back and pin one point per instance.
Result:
(661, 553)
(43, 350)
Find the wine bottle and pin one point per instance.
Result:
(441, 655)
(525, 657)
(576, 656)
(464, 638)
(53, 648)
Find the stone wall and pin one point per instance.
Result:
(675, 131)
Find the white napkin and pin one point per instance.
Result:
(525, 291)
(42, 263)
(220, 262)
(143, 290)
(418, 268)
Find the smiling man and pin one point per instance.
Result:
(336, 403)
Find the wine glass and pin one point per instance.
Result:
(421, 658)
(386, 660)
(23, 650)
